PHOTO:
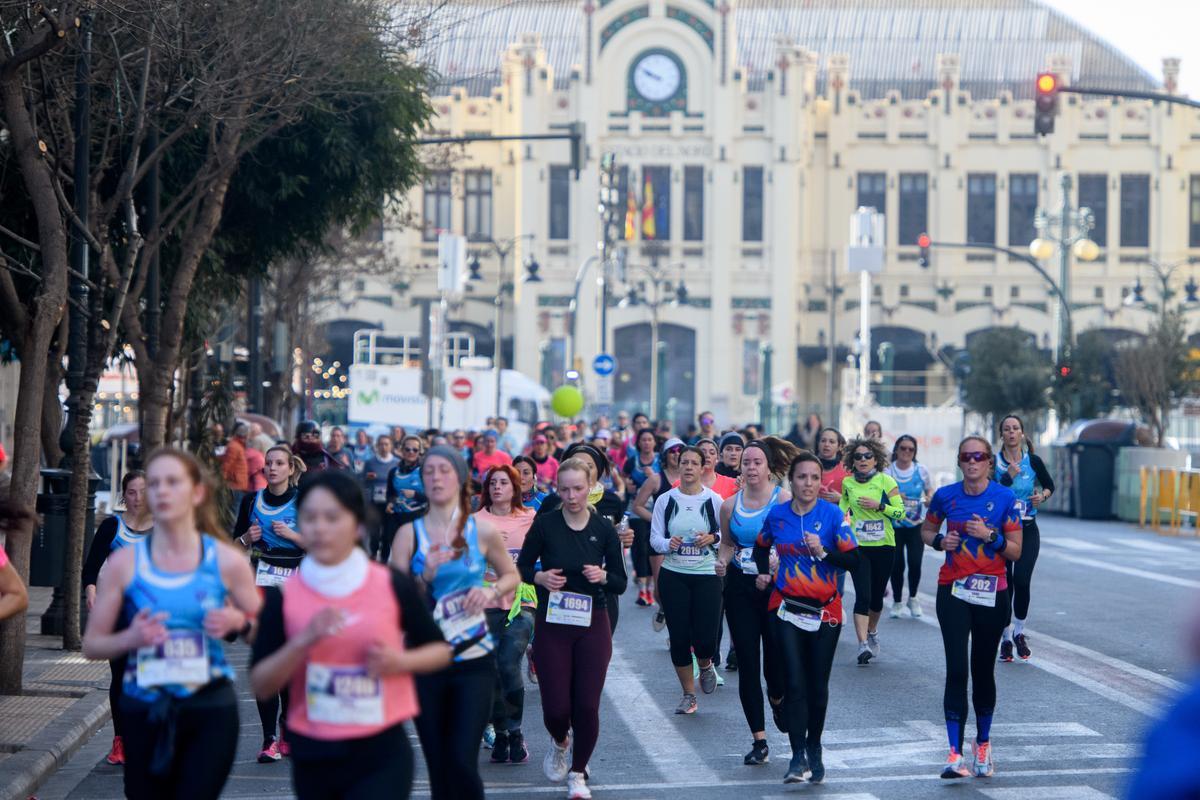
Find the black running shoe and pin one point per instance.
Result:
(815, 764)
(1006, 651)
(500, 748)
(797, 768)
(1023, 650)
(731, 661)
(759, 754)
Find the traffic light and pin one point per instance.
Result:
(1064, 370)
(1045, 103)
(576, 148)
(923, 242)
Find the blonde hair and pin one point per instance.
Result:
(297, 463)
(576, 464)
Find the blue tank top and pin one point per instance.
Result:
(1022, 485)
(912, 491)
(745, 523)
(125, 535)
(189, 659)
(450, 585)
(410, 481)
(264, 516)
(637, 473)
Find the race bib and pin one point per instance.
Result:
(343, 695)
(513, 555)
(804, 620)
(689, 555)
(978, 590)
(745, 561)
(1022, 507)
(182, 659)
(912, 509)
(569, 608)
(458, 625)
(271, 574)
(379, 493)
(870, 530)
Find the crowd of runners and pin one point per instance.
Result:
(430, 577)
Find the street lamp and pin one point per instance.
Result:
(1164, 273)
(662, 293)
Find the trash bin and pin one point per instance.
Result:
(1085, 467)
(48, 555)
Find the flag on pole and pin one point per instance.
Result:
(648, 227)
(630, 216)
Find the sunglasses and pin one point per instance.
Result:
(412, 450)
(978, 456)
(863, 456)
(907, 448)
(706, 421)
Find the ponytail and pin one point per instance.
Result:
(779, 454)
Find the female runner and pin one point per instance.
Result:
(119, 530)
(983, 532)
(656, 486)
(531, 495)
(267, 526)
(347, 635)
(830, 444)
(723, 485)
(915, 488)
(812, 541)
(448, 551)
(168, 600)
(405, 494)
(638, 469)
(763, 462)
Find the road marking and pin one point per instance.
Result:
(1076, 544)
(1154, 547)
(898, 754)
(1048, 793)
(1137, 573)
(638, 709)
(843, 796)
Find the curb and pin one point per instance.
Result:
(24, 771)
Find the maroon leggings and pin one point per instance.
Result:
(571, 664)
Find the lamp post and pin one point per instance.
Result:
(1073, 226)
(502, 249)
(1164, 273)
(664, 292)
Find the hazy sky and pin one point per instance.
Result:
(1147, 31)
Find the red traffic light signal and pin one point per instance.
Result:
(1064, 371)
(1045, 103)
(923, 242)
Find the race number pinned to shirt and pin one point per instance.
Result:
(379, 493)
(977, 589)
(869, 530)
(912, 510)
(343, 695)
(689, 555)
(271, 574)
(458, 625)
(745, 561)
(181, 660)
(804, 620)
(569, 608)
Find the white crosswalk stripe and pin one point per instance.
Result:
(1048, 793)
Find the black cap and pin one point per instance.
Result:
(307, 426)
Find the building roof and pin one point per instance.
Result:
(892, 44)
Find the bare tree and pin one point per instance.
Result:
(1153, 374)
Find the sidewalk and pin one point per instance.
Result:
(65, 702)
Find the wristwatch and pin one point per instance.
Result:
(992, 539)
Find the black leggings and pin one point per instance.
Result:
(981, 628)
(276, 706)
(613, 601)
(117, 667)
(206, 734)
(807, 658)
(356, 769)
(749, 628)
(455, 706)
(692, 605)
(640, 551)
(908, 546)
(1020, 572)
(871, 576)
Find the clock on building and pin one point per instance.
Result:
(657, 83)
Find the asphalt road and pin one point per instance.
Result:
(1108, 623)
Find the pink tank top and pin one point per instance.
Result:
(332, 697)
(512, 529)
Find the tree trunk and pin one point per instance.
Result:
(77, 509)
(154, 401)
(52, 413)
(44, 314)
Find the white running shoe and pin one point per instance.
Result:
(557, 762)
(895, 612)
(914, 607)
(577, 788)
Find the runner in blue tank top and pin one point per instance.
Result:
(915, 489)
(448, 552)
(180, 591)
(764, 464)
(642, 464)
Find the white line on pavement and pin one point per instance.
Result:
(1076, 544)
(1137, 573)
(1154, 547)
(1048, 793)
(672, 755)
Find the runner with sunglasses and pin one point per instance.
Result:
(915, 489)
(983, 534)
(405, 493)
(872, 502)
(1018, 468)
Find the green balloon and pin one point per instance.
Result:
(567, 401)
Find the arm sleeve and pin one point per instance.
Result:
(843, 559)
(614, 562)
(415, 618)
(243, 518)
(270, 636)
(659, 539)
(844, 503)
(893, 503)
(531, 550)
(1041, 473)
(101, 547)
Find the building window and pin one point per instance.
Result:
(1014, 292)
(1135, 210)
(656, 195)
(437, 204)
(560, 202)
(981, 208)
(1194, 212)
(750, 367)
(1098, 292)
(872, 191)
(1093, 194)
(693, 204)
(752, 204)
(477, 201)
(914, 206)
(904, 290)
(1022, 206)
(987, 292)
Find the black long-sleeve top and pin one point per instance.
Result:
(1039, 472)
(558, 546)
(101, 547)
